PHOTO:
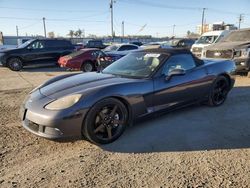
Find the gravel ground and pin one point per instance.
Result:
(194, 147)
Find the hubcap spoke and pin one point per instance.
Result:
(113, 111)
(109, 130)
(102, 116)
(99, 128)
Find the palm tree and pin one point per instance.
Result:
(71, 33)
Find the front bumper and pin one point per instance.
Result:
(242, 65)
(2, 61)
(51, 124)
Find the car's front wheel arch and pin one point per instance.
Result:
(88, 62)
(16, 58)
(86, 119)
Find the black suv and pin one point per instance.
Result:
(95, 44)
(34, 52)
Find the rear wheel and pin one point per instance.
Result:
(219, 91)
(87, 67)
(106, 121)
(15, 64)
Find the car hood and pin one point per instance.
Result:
(81, 83)
(12, 50)
(229, 45)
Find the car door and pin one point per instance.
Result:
(180, 89)
(54, 49)
(35, 52)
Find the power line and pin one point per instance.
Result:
(48, 10)
(51, 19)
(159, 5)
(164, 6)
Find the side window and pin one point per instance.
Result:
(97, 54)
(37, 45)
(184, 61)
(127, 47)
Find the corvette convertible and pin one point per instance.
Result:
(100, 105)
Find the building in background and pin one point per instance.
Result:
(215, 27)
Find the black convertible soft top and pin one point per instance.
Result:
(171, 52)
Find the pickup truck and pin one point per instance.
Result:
(235, 46)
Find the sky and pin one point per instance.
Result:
(157, 16)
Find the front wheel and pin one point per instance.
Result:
(87, 67)
(15, 64)
(106, 121)
(219, 91)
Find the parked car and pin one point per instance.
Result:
(164, 44)
(207, 39)
(101, 105)
(110, 58)
(137, 43)
(95, 44)
(120, 47)
(182, 43)
(85, 59)
(35, 52)
(235, 46)
(78, 46)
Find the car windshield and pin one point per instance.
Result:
(111, 48)
(136, 64)
(207, 39)
(238, 36)
(25, 44)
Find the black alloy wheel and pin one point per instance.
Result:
(219, 91)
(15, 64)
(106, 121)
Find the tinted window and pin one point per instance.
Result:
(57, 43)
(94, 43)
(127, 47)
(37, 45)
(243, 35)
(184, 61)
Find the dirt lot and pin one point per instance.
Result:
(195, 147)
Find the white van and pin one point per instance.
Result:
(207, 39)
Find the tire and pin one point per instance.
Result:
(15, 64)
(219, 91)
(106, 121)
(87, 66)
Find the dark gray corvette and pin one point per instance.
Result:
(101, 105)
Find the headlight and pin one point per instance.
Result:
(64, 102)
(242, 52)
(36, 88)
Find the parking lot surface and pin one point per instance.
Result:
(198, 146)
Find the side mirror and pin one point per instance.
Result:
(175, 72)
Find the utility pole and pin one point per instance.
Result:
(17, 31)
(44, 27)
(83, 33)
(111, 11)
(173, 29)
(240, 20)
(202, 20)
(122, 29)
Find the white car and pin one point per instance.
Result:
(207, 39)
(121, 47)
